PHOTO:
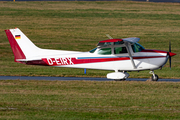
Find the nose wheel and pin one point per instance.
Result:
(154, 77)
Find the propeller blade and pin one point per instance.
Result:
(170, 62)
(169, 46)
(169, 54)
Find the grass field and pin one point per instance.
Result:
(79, 26)
(89, 100)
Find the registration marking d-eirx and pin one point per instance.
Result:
(60, 61)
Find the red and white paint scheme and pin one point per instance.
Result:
(119, 55)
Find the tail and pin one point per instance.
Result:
(21, 46)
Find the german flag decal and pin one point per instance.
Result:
(17, 37)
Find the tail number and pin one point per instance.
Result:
(60, 61)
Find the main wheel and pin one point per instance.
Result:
(155, 77)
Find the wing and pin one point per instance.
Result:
(131, 39)
(120, 41)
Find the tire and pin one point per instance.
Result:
(155, 78)
(119, 79)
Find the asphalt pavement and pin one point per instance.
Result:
(77, 78)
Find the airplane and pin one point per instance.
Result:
(119, 55)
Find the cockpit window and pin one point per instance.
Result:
(93, 50)
(137, 47)
(119, 50)
(104, 51)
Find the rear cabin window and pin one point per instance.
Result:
(93, 50)
(120, 50)
(137, 47)
(104, 51)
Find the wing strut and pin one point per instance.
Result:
(130, 55)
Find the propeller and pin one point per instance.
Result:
(170, 54)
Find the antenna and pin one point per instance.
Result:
(109, 36)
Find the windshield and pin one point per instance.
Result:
(137, 47)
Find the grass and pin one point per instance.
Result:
(79, 26)
(88, 100)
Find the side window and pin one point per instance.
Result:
(104, 51)
(137, 47)
(119, 50)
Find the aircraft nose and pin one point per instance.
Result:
(171, 54)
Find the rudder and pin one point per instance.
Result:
(21, 46)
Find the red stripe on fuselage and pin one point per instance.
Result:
(154, 51)
(72, 61)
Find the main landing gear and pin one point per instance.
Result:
(154, 77)
(121, 76)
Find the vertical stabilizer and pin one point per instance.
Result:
(21, 46)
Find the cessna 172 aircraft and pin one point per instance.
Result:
(119, 55)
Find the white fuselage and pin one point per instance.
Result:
(144, 60)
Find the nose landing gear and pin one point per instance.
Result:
(154, 77)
